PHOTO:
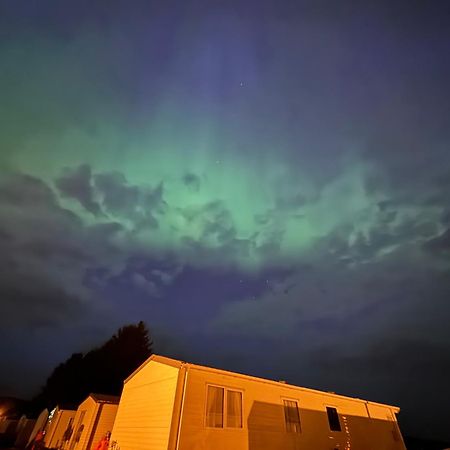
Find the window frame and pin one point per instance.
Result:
(283, 399)
(328, 418)
(225, 407)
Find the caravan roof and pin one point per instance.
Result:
(178, 364)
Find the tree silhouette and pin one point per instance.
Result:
(101, 370)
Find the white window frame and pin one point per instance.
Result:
(284, 415)
(225, 407)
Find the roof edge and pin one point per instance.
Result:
(396, 409)
(157, 358)
(178, 364)
(112, 399)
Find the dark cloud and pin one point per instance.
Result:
(110, 193)
(192, 181)
(141, 276)
(30, 210)
(107, 229)
(269, 244)
(145, 284)
(77, 184)
(214, 221)
(41, 240)
(446, 217)
(32, 302)
(118, 196)
(25, 190)
(440, 244)
(355, 289)
(54, 271)
(136, 203)
(292, 201)
(45, 253)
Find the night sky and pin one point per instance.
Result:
(265, 184)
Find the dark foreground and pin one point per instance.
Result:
(411, 444)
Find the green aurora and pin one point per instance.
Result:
(255, 183)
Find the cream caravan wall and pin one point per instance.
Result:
(97, 416)
(58, 426)
(85, 416)
(106, 415)
(25, 427)
(145, 411)
(39, 425)
(264, 422)
(382, 420)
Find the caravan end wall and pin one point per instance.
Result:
(146, 406)
(55, 431)
(92, 420)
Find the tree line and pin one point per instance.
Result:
(101, 370)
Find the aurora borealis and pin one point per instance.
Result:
(265, 184)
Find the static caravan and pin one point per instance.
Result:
(24, 430)
(172, 405)
(38, 425)
(59, 428)
(93, 419)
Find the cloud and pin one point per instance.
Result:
(32, 302)
(110, 193)
(146, 285)
(139, 204)
(77, 184)
(140, 276)
(440, 244)
(192, 181)
(167, 276)
(41, 250)
(60, 270)
(88, 252)
(353, 213)
(70, 259)
(25, 190)
(49, 251)
(338, 284)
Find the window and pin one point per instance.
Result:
(234, 409)
(214, 407)
(80, 428)
(333, 419)
(68, 433)
(291, 416)
(223, 408)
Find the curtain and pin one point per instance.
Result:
(234, 409)
(291, 416)
(214, 407)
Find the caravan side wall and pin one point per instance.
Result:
(145, 411)
(107, 413)
(264, 425)
(56, 432)
(85, 416)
